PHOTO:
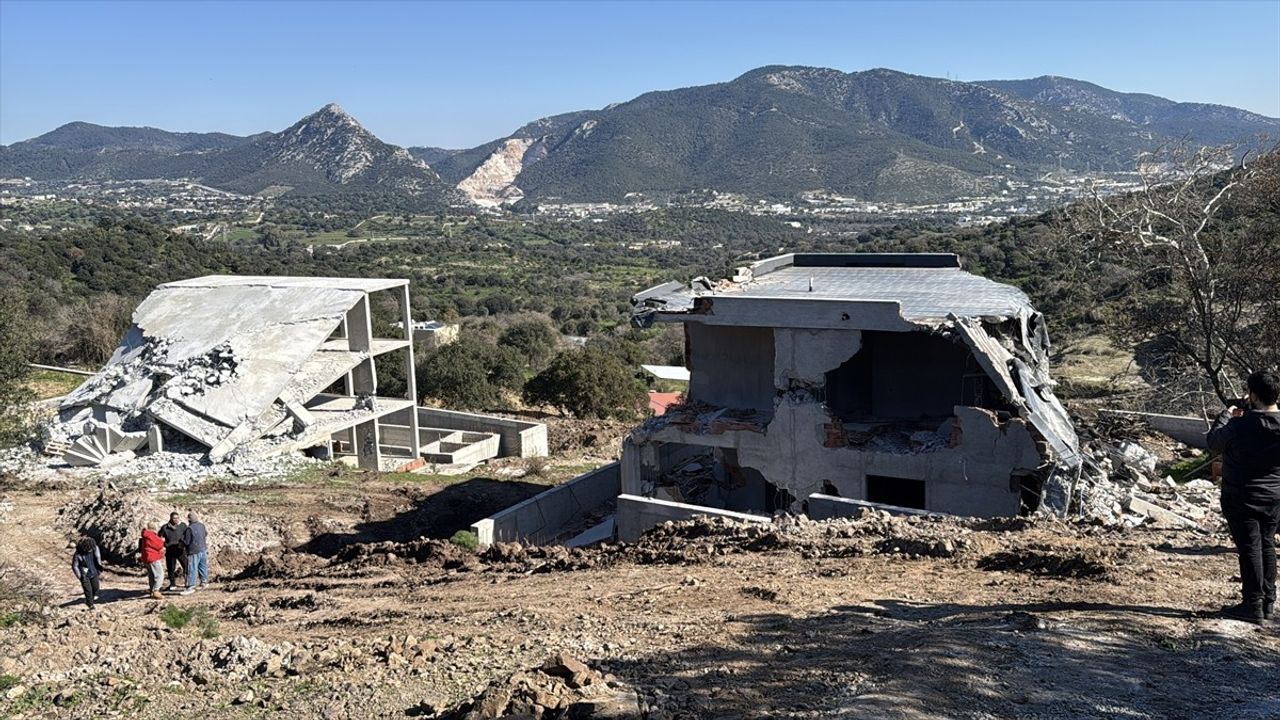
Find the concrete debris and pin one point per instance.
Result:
(1136, 456)
(562, 688)
(1119, 484)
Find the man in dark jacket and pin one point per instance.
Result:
(86, 564)
(196, 538)
(1249, 440)
(175, 553)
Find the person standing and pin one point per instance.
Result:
(86, 565)
(1248, 436)
(196, 539)
(175, 553)
(151, 554)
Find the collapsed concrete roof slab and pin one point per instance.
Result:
(892, 289)
(364, 285)
(227, 360)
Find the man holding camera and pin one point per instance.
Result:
(1247, 434)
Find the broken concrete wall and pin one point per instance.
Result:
(973, 460)
(803, 450)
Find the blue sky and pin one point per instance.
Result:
(456, 75)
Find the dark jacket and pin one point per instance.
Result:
(1250, 447)
(172, 536)
(196, 538)
(87, 565)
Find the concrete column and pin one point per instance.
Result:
(411, 380)
(364, 381)
(368, 451)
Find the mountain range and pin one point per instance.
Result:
(773, 132)
(325, 152)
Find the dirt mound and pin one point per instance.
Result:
(281, 564)
(563, 688)
(700, 539)
(1091, 563)
(596, 437)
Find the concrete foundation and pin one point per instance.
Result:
(516, 438)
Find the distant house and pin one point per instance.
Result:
(431, 334)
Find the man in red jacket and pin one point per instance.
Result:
(151, 554)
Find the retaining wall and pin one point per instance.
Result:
(543, 517)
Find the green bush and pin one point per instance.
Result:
(465, 539)
(15, 420)
(470, 374)
(9, 681)
(176, 617)
(534, 339)
(588, 383)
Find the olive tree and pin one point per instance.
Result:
(1195, 252)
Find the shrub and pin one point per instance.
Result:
(534, 339)
(23, 597)
(470, 374)
(176, 617)
(465, 539)
(538, 465)
(587, 383)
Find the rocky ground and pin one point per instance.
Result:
(338, 594)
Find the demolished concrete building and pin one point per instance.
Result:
(896, 379)
(249, 367)
(828, 383)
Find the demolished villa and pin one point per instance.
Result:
(250, 367)
(827, 383)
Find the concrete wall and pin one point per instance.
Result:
(1189, 431)
(635, 515)
(802, 447)
(731, 366)
(543, 517)
(518, 438)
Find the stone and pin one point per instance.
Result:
(564, 665)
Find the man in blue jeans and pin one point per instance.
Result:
(1247, 434)
(196, 538)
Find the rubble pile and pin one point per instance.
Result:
(562, 688)
(1119, 484)
(183, 468)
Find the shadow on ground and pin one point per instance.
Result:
(439, 515)
(896, 659)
